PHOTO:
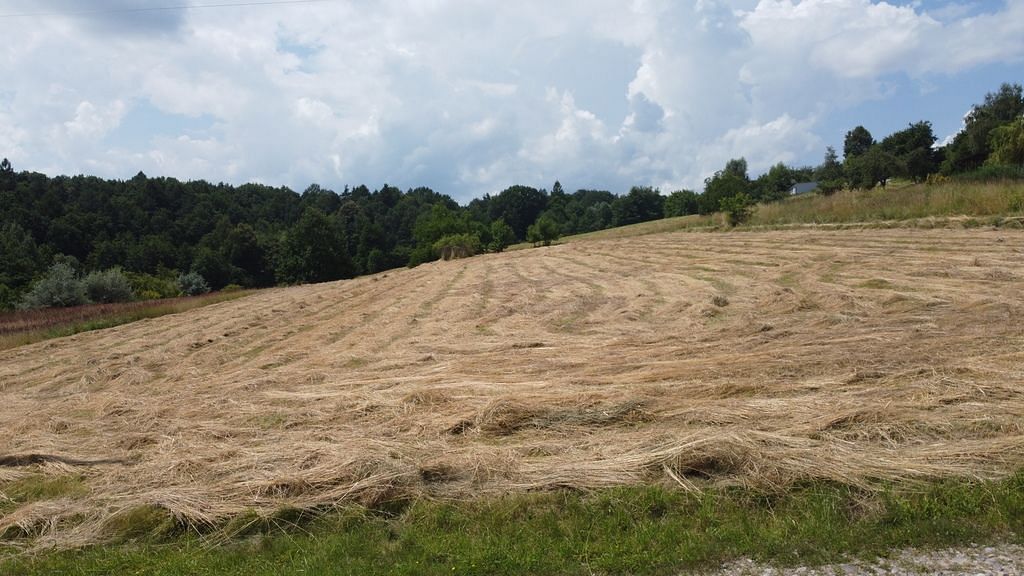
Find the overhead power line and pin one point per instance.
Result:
(162, 8)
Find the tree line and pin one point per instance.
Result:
(96, 239)
(157, 235)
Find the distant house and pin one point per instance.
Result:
(803, 187)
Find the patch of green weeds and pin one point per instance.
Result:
(39, 487)
(876, 284)
(147, 523)
(630, 530)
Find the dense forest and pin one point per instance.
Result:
(158, 237)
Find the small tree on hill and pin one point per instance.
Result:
(502, 235)
(873, 168)
(732, 181)
(830, 174)
(543, 231)
(857, 142)
(738, 209)
(775, 184)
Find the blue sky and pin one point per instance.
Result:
(471, 96)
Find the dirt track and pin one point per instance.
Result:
(757, 358)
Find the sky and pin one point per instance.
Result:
(469, 97)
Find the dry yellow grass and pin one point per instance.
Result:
(760, 358)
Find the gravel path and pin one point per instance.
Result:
(1000, 560)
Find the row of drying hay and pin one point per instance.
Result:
(377, 476)
(503, 417)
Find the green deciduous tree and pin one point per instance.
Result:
(1007, 144)
(774, 184)
(681, 203)
(519, 206)
(873, 168)
(857, 142)
(7, 177)
(642, 204)
(732, 181)
(213, 266)
(439, 222)
(247, 257)
(912, 146)
(830, 173)
(971, 147)
(543, 232)
(20, 261)
(314, 250)
(502, 235)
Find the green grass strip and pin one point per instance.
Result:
(637, 530)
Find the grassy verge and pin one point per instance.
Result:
(28, 327)
(638, 530)
(960, 203)
(897, 203)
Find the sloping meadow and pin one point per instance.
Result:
(760, 359)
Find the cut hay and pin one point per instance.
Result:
(855, 357)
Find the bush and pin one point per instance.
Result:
(421, 255)
(231, 288)
(108, 286)
(376, 261)
(502, 235)
(457, 246)
(829, 187)
(738, 209)
(150, 287)
(543, 231)
(60, 287)
(192, 284)
(992, 173)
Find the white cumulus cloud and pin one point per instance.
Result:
(468, 96)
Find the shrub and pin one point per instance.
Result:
(543, 231)
(738, 209)
(992, 173)
(150, 287)
(60, 287)
(502, 235)
(421, 255)
(457, 246)
(192, 284)
(231, 288)
(376, 261)
(108, 286)
(829, 187)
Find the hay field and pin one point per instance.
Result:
(757, 358)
